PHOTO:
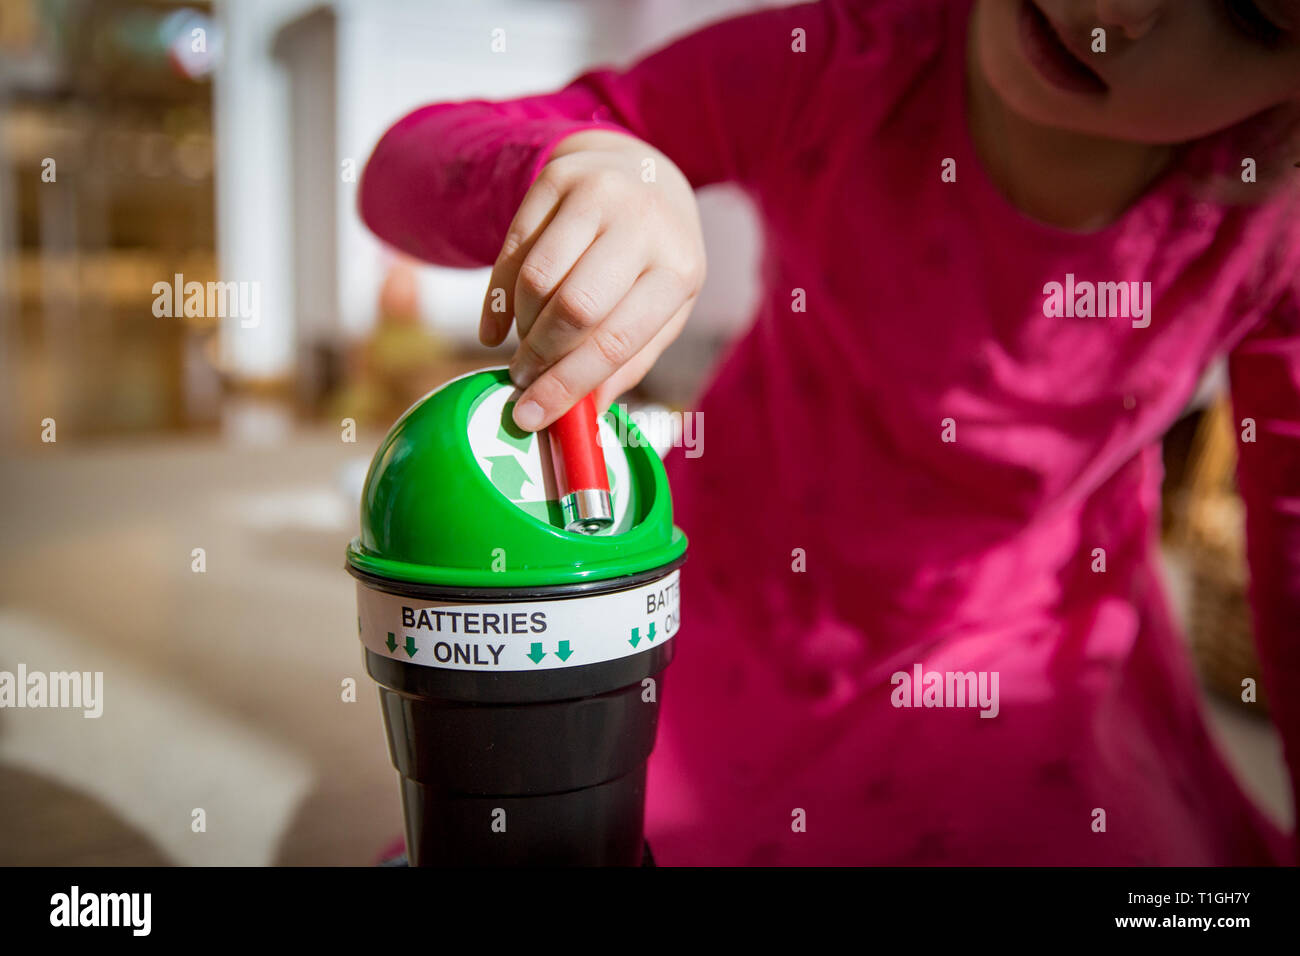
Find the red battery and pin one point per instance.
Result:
(579, 465)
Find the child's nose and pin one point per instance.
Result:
(1134, 17)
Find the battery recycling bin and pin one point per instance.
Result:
(519, 664)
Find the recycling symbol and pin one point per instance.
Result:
(513, 461)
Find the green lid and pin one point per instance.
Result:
(457, 495)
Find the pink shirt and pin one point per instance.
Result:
(825, 433)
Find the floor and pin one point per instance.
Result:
(224, 690)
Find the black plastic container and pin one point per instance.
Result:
(520, 768)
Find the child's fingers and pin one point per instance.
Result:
(562, 243)
(594, 286)
(608, 347)
(630, 375)
(531, 218)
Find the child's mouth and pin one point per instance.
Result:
(1053, 59)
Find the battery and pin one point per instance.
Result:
(579, 465)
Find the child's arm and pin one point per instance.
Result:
(582, 198)
(1265, 373)
(444, 182)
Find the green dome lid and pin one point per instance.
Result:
(458, 496)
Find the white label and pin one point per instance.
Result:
(520, 635)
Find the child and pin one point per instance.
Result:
(923, 619)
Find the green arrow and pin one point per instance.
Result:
(507, 475)
(392, 644)
(636, 637)
(410, 646)
(512, 434)
(651, 635)
(537, 654)
(564, 653)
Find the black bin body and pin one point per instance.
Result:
(519, 768)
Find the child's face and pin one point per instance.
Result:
(1173, 70)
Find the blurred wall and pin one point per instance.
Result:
(402, 54)
(252, 172)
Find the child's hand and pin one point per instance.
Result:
(600, 270)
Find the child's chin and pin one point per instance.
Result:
(1023, 93)
(1091, 121)
(1019, 86)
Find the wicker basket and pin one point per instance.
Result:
(1208, 533)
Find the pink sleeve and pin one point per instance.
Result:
(1265, 373)
(444, 182)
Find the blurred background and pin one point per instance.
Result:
(179, 476)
